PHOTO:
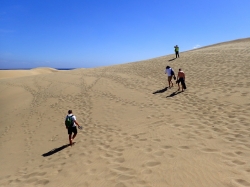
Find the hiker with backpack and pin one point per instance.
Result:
(170, 72)
(71, 123)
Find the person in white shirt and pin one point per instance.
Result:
(72, 127)
(170, 72)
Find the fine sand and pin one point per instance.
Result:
(23, 73)
(136, 132)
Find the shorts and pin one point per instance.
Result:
(182, 81)
(72, 130)
(170, 78)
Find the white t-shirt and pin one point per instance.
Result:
(74, 117)
(168, 71)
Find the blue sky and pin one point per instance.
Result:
(92, 33)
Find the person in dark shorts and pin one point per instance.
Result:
(176, 50)
(181, 79)
(71, 126)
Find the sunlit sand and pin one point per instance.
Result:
(136, 132)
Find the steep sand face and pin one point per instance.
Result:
(136, 132)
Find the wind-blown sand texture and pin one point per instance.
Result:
(136, 132)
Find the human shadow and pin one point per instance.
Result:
(161, 91)
(53, 151)
(174, 94)
(172, 59)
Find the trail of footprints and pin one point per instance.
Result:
(114, 155)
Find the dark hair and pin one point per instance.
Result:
(167, 67)
(70, 112)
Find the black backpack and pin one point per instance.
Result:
(69, 121)
(172, 72)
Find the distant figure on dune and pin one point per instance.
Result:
(170, 72)
(70, 123)
(181, 79)
(176, 50)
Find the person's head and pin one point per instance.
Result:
(180, 69)
(167, 67)
(70, 112)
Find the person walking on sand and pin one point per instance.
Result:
(176, 50)
(181, 79)
(71, 123)
(170, 72)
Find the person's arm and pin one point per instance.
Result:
(178, 76)
(76, 123)
(65, 122)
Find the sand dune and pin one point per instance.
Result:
(136, 131)
(22, 73)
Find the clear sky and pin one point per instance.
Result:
(92, 33)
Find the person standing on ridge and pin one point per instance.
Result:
(176, 49)
(71, 123)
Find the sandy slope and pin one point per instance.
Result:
(132, 137)
(22, 73)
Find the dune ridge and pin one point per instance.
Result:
(136, 132)
(23, 73)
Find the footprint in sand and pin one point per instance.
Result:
(208, 150)
(242, 182)
(119, 160)
(123, 177)
(229, 154)
(147, 171)
(120, 184)
(156, 140)
(42, 182)
(166, 147)
(159, 153)
(238, 162)
(184, 147)
(239, 152)
(152, 163)
(148, 150)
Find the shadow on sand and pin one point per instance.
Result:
(53, 151)
(172, 59)
(174, 94)
(161, 91)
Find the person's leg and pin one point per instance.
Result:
(169, 79)
(70, 135)
(70, 139)
(75, 132)
(74, 136)
(182, 84)
(176, 54)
